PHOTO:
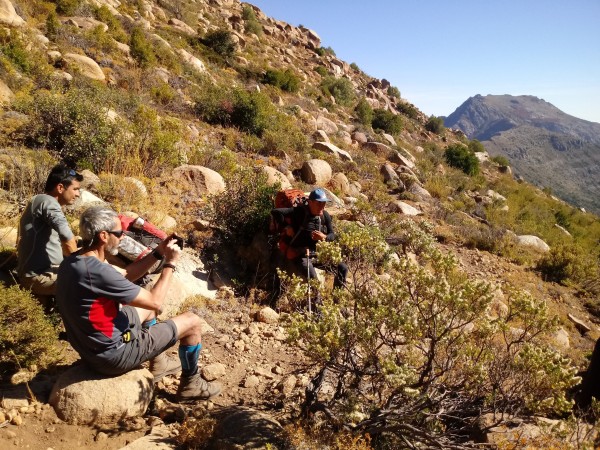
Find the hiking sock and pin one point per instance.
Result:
(148, 323)
(188, 354)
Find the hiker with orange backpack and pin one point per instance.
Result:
(302, 226)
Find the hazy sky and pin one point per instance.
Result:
(439, 52)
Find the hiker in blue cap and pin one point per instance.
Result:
(304, 226)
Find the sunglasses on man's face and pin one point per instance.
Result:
(116, 233)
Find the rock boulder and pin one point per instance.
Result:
(316, 171)
(81, 396)
(202, 179)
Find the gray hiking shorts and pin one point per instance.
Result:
(144, 344)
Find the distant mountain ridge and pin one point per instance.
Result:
(544, 145)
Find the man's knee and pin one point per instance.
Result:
(187, 324)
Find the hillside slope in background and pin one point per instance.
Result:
(544, 145)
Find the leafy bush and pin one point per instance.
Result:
(243, 209)
(52, 25)
(286, 80)
(459, 156)
(221, 42)
(435, 125)
(364, 112)
(141, 48)
(26, 335)
(321, 70)
(114, 25)
(501, 160)
(74, 124)
(476, 147)
(354, 67)
(417, 355)
(393, 91)
(19, 53)
(567, 264)
(387, 121)
(408, 109)
(339, 88)
(251, 23)
(251, 112)
(67, 7)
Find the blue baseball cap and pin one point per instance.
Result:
(318, 195)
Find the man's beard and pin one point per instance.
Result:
(112, 250)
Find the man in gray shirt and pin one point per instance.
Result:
(111, 322)
(44, 233)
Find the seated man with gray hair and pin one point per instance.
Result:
(111, 322)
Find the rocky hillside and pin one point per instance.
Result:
(472, 299)
(544, 145)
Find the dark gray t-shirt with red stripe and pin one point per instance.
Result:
(89, 296)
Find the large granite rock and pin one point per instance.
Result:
(8, 15)
(84, 65)
(328, 147)
(202, 179)
(81, 396)
(316, 171)
(6, 95)
(534, 242)
(274, 176)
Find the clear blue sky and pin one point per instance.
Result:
(439, 53)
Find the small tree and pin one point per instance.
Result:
(387, 121)
(476, 147)
(221, 42)
(339, 88)
(416, 355)
(460, 157)
(140, 48)
(364, 112)
(393, 91)
(435, 125)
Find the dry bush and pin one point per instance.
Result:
(26, 335)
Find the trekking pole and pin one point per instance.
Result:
(308, 278)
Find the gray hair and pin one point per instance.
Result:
(94, 220)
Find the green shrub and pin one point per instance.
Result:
(18, 52)
(393, 91)
(339, 88)
(387, 121)
(408, 110)
(26, 335)
(354, 67)
(459, 156)
(251, 112)
(244, 207)
(435, 125)
(476, 147)
(286, 80)
(322, 51)
(415, 356)
(67, 7)
(114, 25)
(364, 112)
(567, 264)
(52, 25)
(74, 124)
(251, 23)
(321, 70)
(221, 42)
(501, 160)
(141, 48)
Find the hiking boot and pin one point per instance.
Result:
(195, 388)
(162, 365)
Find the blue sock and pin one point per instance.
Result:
(149, 323)
(188, 354)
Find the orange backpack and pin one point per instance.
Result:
(288, 198)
